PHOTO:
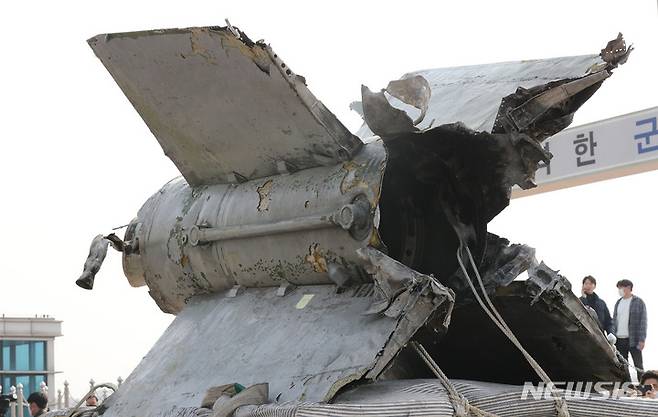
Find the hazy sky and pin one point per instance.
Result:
(77, 160)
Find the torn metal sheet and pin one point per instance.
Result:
(538, 104)
(615, 52)
(415, 91)
(502, 263)
(472, 94)
(306, 346)
(548, 319)
(224, 109)
(386, 120)
(392, 279)
(448, 170)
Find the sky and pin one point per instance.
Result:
(77, 160)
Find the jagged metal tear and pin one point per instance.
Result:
(386, 120)
(306, 345)
(472, 94)
(502, 263)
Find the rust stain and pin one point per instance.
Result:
(256, 53)
(315, 258)
(184, 260)
(197, 49)
(264, 195)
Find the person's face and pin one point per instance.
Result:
(34, 409)
(624, 291)
(653, 382)
(588, 287)
(92, 401)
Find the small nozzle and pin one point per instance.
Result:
(85, 281)
(97, 253)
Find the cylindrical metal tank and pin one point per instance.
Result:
(291, 228)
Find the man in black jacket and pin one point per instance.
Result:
(592, 300)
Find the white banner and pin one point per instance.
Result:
(610, 148)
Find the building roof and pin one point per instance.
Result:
(38, 326)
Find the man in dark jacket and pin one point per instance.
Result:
(629, 323)
(599, 306)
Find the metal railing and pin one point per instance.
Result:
(64, 398)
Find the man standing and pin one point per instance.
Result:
(592, 300)
(630, 323)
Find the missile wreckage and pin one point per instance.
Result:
(317, 272)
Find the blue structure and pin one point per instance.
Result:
(27, 352)
(25, 362)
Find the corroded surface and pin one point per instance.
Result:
(306, 345)
(224, 109)
(296, 256)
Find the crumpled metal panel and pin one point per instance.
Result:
(501, 264)
(549, 321)
(224, 109)
(472, 94)
(306, 345)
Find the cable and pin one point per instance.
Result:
(460, 404)
(561, 404)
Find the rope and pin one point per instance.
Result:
(624, 360)
(459, 403)
(560, 403)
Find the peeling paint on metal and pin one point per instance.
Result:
(197, 49)
(315, 258)
(264, 195)
(353, 178)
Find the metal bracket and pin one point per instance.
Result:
(235, 291)
(284, 289)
